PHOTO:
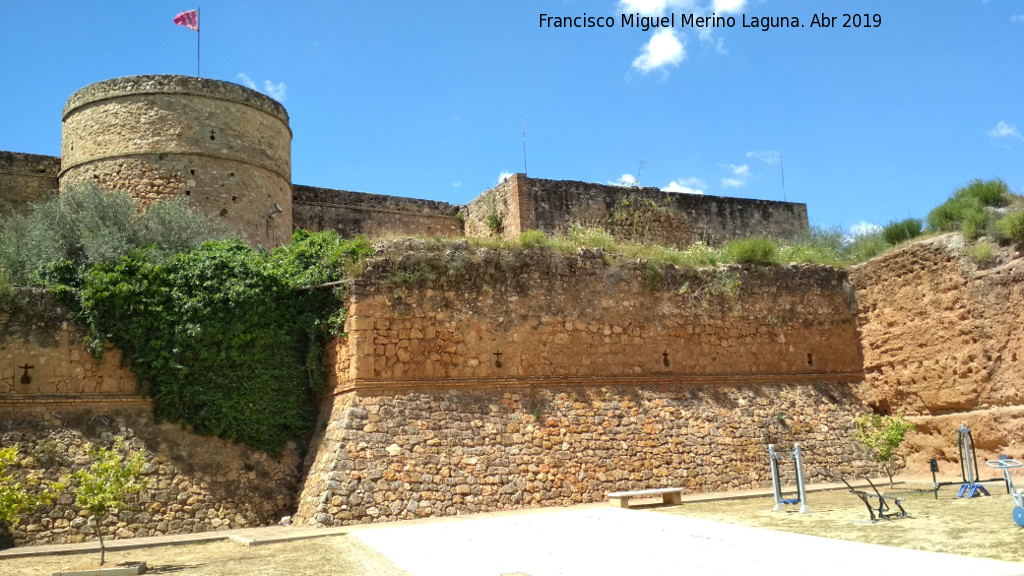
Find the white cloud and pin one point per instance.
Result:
(246, 81)
(663, 49)
(740, 173)
(655, 7)
(681, 188)
(729, 5)
(1004, 130)
(766, 156)
(275, 91)
(625, 180)
(504, 176)
(864, 228)
(457, 184)
(1017, 18)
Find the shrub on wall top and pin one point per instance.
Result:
(750, 251)
(902, 230)
(965, 209)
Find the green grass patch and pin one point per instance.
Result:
(899, 231)
(750, 251)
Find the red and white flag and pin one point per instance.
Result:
(189, 19)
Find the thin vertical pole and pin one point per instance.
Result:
(783, 168)
(522, 120)
(199, 34)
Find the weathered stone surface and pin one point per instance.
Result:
(195, 483)
(374, 215)
(538, 378)
(26, 179)
(574, 445)
(223, 146)
(38, 333)
(643, 214)
(942, 342)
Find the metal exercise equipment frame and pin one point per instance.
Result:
(776, 455)
(971, 485)
(1005, 464)
(882, 511)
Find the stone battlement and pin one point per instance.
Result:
(227, 149)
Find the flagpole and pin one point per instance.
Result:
(198, 36)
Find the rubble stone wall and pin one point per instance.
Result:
(536, 378)
(374, 215)
(26, 179)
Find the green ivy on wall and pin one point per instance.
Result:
(225, 338)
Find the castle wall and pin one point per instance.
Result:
(637, 214)
(536, 378)
(34, 332)
(224, 147)
(942, 342)
(374, 215)
(72, 402)
(26, 179)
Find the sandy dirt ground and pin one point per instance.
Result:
(979, 527)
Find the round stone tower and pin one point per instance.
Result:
(223, 146)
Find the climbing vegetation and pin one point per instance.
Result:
(226, 339)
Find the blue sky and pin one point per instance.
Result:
(425, 99)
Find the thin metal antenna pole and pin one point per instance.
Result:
(199, 34)
(783, 168)
(522, 120)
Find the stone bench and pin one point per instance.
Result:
(668, 496)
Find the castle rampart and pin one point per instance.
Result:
(374, 215)
(223, 146)
(26, 179)
(942, 343)
(521, 203)
(56, 400)
(537, 378)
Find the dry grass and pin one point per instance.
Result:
(344, 555)
(982, 527)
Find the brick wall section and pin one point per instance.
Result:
(942, 342)
(195, 483)
(37, 332)
(602, 384)
(26, 179)
(224, 147)
(374, 215)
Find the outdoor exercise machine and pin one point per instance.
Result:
(971, 485)
(881, 510)
(1005, 464)
(775, 456)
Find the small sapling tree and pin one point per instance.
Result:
(883, 435)
(114, 475)
(17, 497)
